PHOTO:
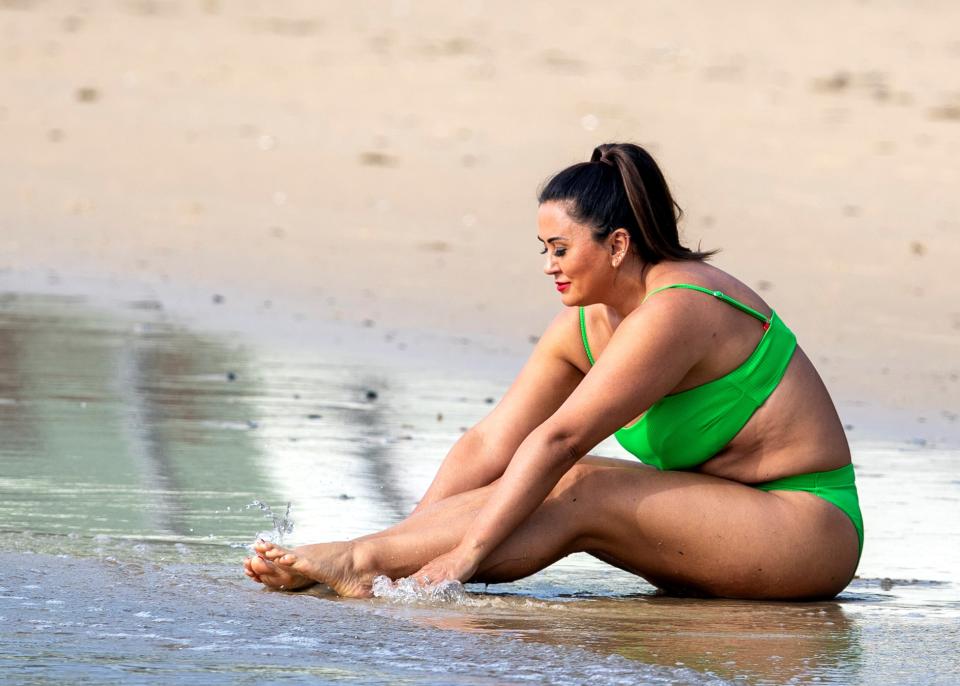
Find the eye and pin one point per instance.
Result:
(543, 252)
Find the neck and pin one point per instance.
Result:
(629, 288)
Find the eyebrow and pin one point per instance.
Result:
(551, 239)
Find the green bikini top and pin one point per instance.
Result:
(685, 429)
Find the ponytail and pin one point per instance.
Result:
(622, 187)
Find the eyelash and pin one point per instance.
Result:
(558, 252)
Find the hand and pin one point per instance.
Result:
(453, 566)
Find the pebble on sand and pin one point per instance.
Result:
(373, 158)
(86, 94)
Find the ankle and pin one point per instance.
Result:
(362, 558)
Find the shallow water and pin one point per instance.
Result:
(132, 447)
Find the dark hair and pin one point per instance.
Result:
(622, 186)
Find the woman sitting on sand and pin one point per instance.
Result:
(743, 487)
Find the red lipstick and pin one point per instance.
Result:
(563, 286)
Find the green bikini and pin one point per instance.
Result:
(684, 430)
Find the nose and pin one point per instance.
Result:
(550, 265)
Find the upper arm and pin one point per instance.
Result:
(545, 382)
(649, 354)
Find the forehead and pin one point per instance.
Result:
(553, 220)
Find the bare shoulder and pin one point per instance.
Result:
(706, 275)
(562, 339)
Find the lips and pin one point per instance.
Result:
(562, 286)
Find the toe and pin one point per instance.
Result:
(259, 566)
(287, 560)
(262, 546)
(274, 553)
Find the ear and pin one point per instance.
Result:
(619, 242)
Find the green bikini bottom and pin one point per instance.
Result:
(837, 486)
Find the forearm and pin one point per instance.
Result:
(533, 472)
(471, 463)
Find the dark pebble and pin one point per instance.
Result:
(218, 299)
(314, 416)
(377, 159)
(848, 427)
(533, 339)
(370, 395)
(296, 396)
(87, 94)
(439, 416)
(231, 376)
(488, 401)
(252, 424)
(344, 496)
(367, 323)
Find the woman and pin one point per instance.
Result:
(747, 490)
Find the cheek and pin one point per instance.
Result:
(579, 266)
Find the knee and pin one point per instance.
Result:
(572, 484)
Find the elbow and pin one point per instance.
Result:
(562, 445)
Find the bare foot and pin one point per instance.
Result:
(327, 563)
(269, 574)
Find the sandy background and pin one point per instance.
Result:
(378, 162)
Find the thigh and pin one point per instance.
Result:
(700, 533)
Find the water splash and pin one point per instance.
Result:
(282, 525)
(406, 590)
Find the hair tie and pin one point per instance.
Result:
(602, 157)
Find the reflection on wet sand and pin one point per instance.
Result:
(375, 448)
(760, 642)
(102, 414)
(121, 424)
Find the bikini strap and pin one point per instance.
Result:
(717, 294)
(583, 335)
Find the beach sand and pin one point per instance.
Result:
(378, 163)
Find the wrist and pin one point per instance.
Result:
(470, 549)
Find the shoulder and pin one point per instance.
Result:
(562, 338)
(683, 318)
(690, 301)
